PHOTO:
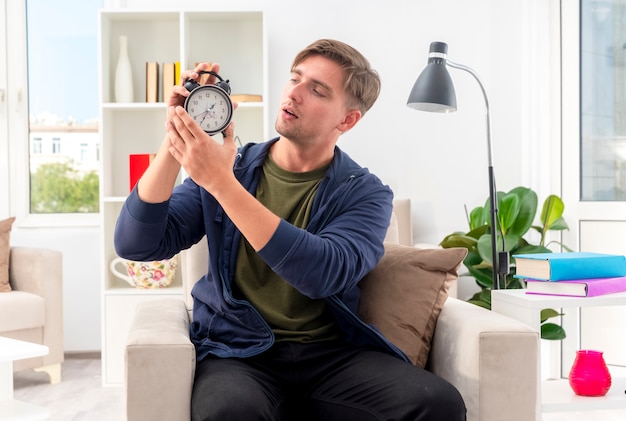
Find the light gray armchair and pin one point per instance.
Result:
(33, 310)
(491, 359)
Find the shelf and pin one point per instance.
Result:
(128, 290)
(114, 199)
(520, 298)
(557, 396)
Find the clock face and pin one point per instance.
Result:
(210, 107)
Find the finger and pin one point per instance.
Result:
(201, 67)
(188, 128)
(188, 74)
(229, 134)
(211, 80)
(177, 129)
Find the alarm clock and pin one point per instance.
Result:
(209, 105)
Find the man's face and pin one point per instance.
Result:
(313, 102)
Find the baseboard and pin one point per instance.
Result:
(83, 355)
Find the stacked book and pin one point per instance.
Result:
(576, 274)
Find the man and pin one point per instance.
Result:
(292, 225)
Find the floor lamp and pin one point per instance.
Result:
(433, 91)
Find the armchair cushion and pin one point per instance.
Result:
(403, 296)
(5, 233)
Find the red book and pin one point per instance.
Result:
(577, 288)
(138, 164)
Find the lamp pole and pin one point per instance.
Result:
(493, 204)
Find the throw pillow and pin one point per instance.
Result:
(5, 234)
(403, 295)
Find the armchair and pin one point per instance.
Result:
(490, 358)
(33, 310)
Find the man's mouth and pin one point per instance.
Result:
(285, 110)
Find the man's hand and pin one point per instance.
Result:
(207, 162)
(180, 93)
(158, 181)
(210, 165)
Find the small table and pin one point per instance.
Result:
(556, 394)
(11, 409)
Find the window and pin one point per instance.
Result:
(63, 105)
(36, 146)
(56, 145)
(603, 100)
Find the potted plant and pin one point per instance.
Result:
(517, 211)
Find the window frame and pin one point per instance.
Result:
(16, 141)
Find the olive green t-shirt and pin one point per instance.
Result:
(291, 315)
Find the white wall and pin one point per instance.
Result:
(438, 161)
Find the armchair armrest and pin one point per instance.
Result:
(492, 360)
(36, 270)
(160, 362)
(40, 272)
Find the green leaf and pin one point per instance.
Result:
(552, 211)
(483, 276)
(514, 283)
(480, 304)
(484, 245)
(548, 313)
(527, 211)
(478, 232)
(456, 240)
(532, 249)
(472, 259)
(476, 218)
(552, 332)
(508, 210)
(559, 225)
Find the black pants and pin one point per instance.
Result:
(323, 381)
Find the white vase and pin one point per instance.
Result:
(123, 74)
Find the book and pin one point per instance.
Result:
(177, 72)
(168, 79)
(138, 164)
(246, 98)
(569, 266)
(152, 81)
(202, 80)
(578, 287)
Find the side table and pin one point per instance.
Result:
(11, 409)
(556, 395)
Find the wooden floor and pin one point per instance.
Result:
(80, 395)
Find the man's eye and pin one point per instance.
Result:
(317, 92)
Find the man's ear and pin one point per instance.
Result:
(350, 119)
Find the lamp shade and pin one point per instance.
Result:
(433, 90)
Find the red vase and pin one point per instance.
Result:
(589, 375)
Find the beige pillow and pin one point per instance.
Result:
(5, 234)
(405, 292)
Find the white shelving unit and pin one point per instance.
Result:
(234, 39)
(556, 395)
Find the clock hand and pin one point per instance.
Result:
(203, 112)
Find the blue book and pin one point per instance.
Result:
(569, 266)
